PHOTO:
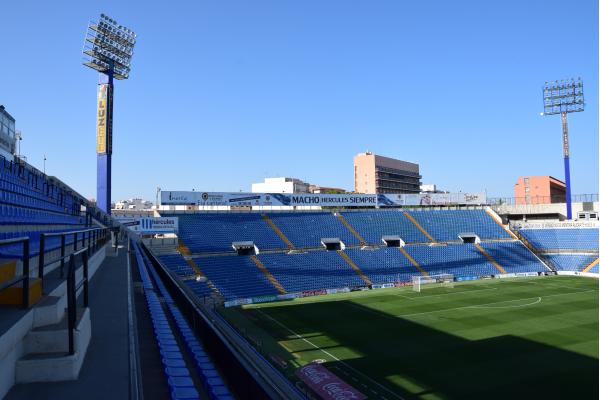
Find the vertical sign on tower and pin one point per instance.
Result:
(101, 125)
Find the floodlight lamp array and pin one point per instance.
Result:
(563, 96)
(109, 47)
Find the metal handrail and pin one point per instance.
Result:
(72, 288)
(24, 277)
(95, 238)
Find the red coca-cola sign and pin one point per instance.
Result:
(326, 384)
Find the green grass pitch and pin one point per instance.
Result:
(507, 339)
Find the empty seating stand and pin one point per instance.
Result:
(306, 230)
(238, 276)
(176, 369)
(562, 238)
(446, 225)
(514, 257)
(456, 259)
(235, 276)
(310, 271)
(384, 265)
(373, 225)
(215, 232)
(176, 263)
(571, 262)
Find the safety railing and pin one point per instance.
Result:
(24, 277)
(535, 200)
(92, 239)
(73, 287)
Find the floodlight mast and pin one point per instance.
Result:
(108, 49)
(563, 97)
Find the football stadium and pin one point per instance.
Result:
(384, 292)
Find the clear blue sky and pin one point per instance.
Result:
(224, 93)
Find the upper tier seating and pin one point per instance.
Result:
(456, 259)
(514, 257)
(21, 185)
(570, 262)
(310, 271)
(32, 204)
(383, 265)
(214, 232)
(373, 225)
(446, 225)
(52, 243)
(235, 276)
(562, 238)
(307, 229)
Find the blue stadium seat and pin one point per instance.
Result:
(306, 230)
(373, 225)
(562, 238)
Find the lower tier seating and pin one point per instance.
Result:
(310, 271)
(456, 259)
(235, 276)
(384, 265)
(514, 257)
(570, 262)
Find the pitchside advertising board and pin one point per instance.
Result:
(326, 200)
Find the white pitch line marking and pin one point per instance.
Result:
(539, 300)
(330, 355)
(485, 304)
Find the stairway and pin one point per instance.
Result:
(46, 355)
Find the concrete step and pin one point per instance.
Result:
(54, 338)
(14, 294)
(49, 367)
(46, 356)
(49, 310)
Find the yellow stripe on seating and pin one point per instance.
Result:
(592, 264)
(269, 221)
(268, 274)
(419, 227)
(492, 216)
(355, 267)
(351, 229)
(413, 262)
(7, 270)
(183, 249)
(490, 258)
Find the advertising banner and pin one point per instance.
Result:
(265, 299)
(327, 385)
(557, 225)
(430, 199)
(103, 126)
(266, 199)
(314, 199)
(151, 224)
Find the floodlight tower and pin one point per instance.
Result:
(108, 48)
(563, 97)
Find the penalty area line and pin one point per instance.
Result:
(330, 355)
